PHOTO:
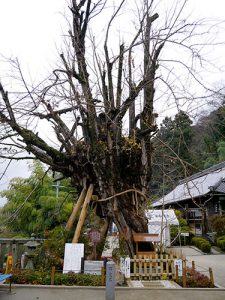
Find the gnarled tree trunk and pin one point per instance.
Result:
(93, 148)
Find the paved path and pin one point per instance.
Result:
(204, 261)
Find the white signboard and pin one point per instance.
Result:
(178, 262)
(184, 233)
(122, 265)
(127, 267)
(72, 257)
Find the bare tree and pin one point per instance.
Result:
(87, 101)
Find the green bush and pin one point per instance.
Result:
(183, 227)
(206, 247)
(221, 242)
(44, 278)
(202, 244)
(218, 225)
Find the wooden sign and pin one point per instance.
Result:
(178, 262)
(127, 267)
(95, 236)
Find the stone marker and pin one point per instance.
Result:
(110, 281)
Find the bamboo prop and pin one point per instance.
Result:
(76, 208)
(83, 214)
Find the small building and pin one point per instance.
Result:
(199, 197)
(159, 222)
(144, 243)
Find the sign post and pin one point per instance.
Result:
(110, 281)
(184, 234)
(95, 237)
(178, 265)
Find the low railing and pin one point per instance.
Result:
(155, 267)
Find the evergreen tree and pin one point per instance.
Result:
(173, 159)
(33, 205)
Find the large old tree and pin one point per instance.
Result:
(99, 105)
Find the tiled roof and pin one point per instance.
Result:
(199, 184)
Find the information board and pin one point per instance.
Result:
(93, 267)
(72, 257)
(178, 262)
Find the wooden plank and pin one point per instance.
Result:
(161, 265)
(184, 278)
(135, 267)
(150, 268)
(156, 265)
(145, 266)
(140, 267)
(167, 264)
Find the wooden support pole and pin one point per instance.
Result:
(83, 214)
(211, 276)
(76, 209)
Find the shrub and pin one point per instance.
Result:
(174, 230)
(44, 278)
(218, 224)
(221, 242)
(196, 280)
(202, 244)
(206, 247)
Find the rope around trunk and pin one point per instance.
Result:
(121, 193)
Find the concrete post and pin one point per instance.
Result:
(110, 281)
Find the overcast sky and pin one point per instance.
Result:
(32, 30)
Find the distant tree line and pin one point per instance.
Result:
(184, 148)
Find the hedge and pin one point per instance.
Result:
(44, 278)
(202, 244)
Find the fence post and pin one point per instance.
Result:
(193, 266)
(53, 275)
(184, 277)
(211, 276)
(110, 281)
(82, 265)
(103, 275)
(176, 273)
